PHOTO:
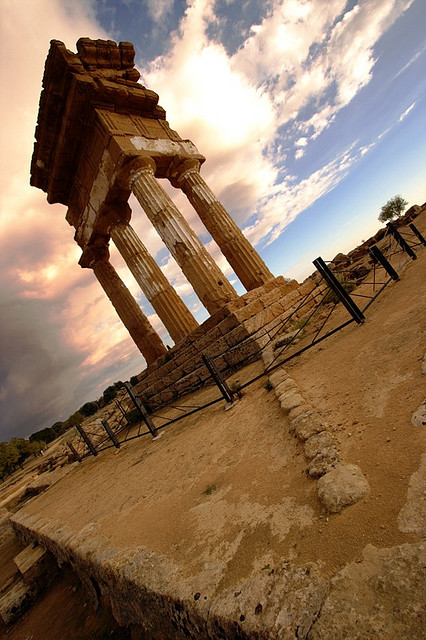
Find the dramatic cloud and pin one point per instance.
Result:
(254, 109)
(301, 65)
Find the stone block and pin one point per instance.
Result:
(16, 599)
(187, 384)
(306, 287)
(258, 321)
(271, 297)
(290, 400)
(241, 353)
(237, 335)
(249, 310)
(343, 486)
(381, 594)
(306, 424)
(228, 324)
(277, 308)
(290, 299)
(35, 563)
(166, 397)
(278, 376)
(288, 384)
(316, 443)
(217, 347)
(325, 460)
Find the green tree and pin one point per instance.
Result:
(392, 209)
(109, 394)
(9, 456)
(89, 408)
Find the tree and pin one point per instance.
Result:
(393, 208)
(109, 394)
(89, 408)
(9, 456)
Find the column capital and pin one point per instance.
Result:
(111, 214)
(93, 254)
(180, 167)
(133, 168)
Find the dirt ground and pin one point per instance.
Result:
(223, 494)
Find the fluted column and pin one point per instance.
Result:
(207, 279)
(171, 310)
(142, 332)
(241, 255)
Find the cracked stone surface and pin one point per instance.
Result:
(381, 597)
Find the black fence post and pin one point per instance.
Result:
(335, 285)
(110, 433)
(217, 377)
(74, 452)
(87, 440)
(378, 256)
(400, 240)
(417, 233)
(141, 408)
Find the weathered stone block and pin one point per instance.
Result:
(290, 400)
(16, 599)
(241, 353)
(278, 376)
(316, 443)
(228, 324)
(236, 336)
(258, 321)
(324, 461)
(284, 386)
(343, 486)
(249, 310)
(381, 596)
(35, 563)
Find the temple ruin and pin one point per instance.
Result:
(102, 136)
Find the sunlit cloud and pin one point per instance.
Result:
(251, 113)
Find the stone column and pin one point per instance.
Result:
(208, 281)
(142, 332)
(241, 255)
(171, 310)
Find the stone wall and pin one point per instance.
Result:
(234, 336)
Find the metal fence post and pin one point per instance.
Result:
(417, 233)
(378, 256)
(110, 433)
(87, 440)
(74, 452)
(217, 377)
(141, 408)
(335, 285)
(400, 240)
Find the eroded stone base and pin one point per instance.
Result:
(234, 336)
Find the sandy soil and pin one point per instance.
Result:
(225, 493)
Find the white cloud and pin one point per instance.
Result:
(247, 113)
(303, 54)
(406, 112)
(158, 9)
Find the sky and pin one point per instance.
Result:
(311, 114)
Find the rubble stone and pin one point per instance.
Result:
(341, 487)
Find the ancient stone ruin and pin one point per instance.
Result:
(102, 136)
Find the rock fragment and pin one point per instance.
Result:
(341, 487)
